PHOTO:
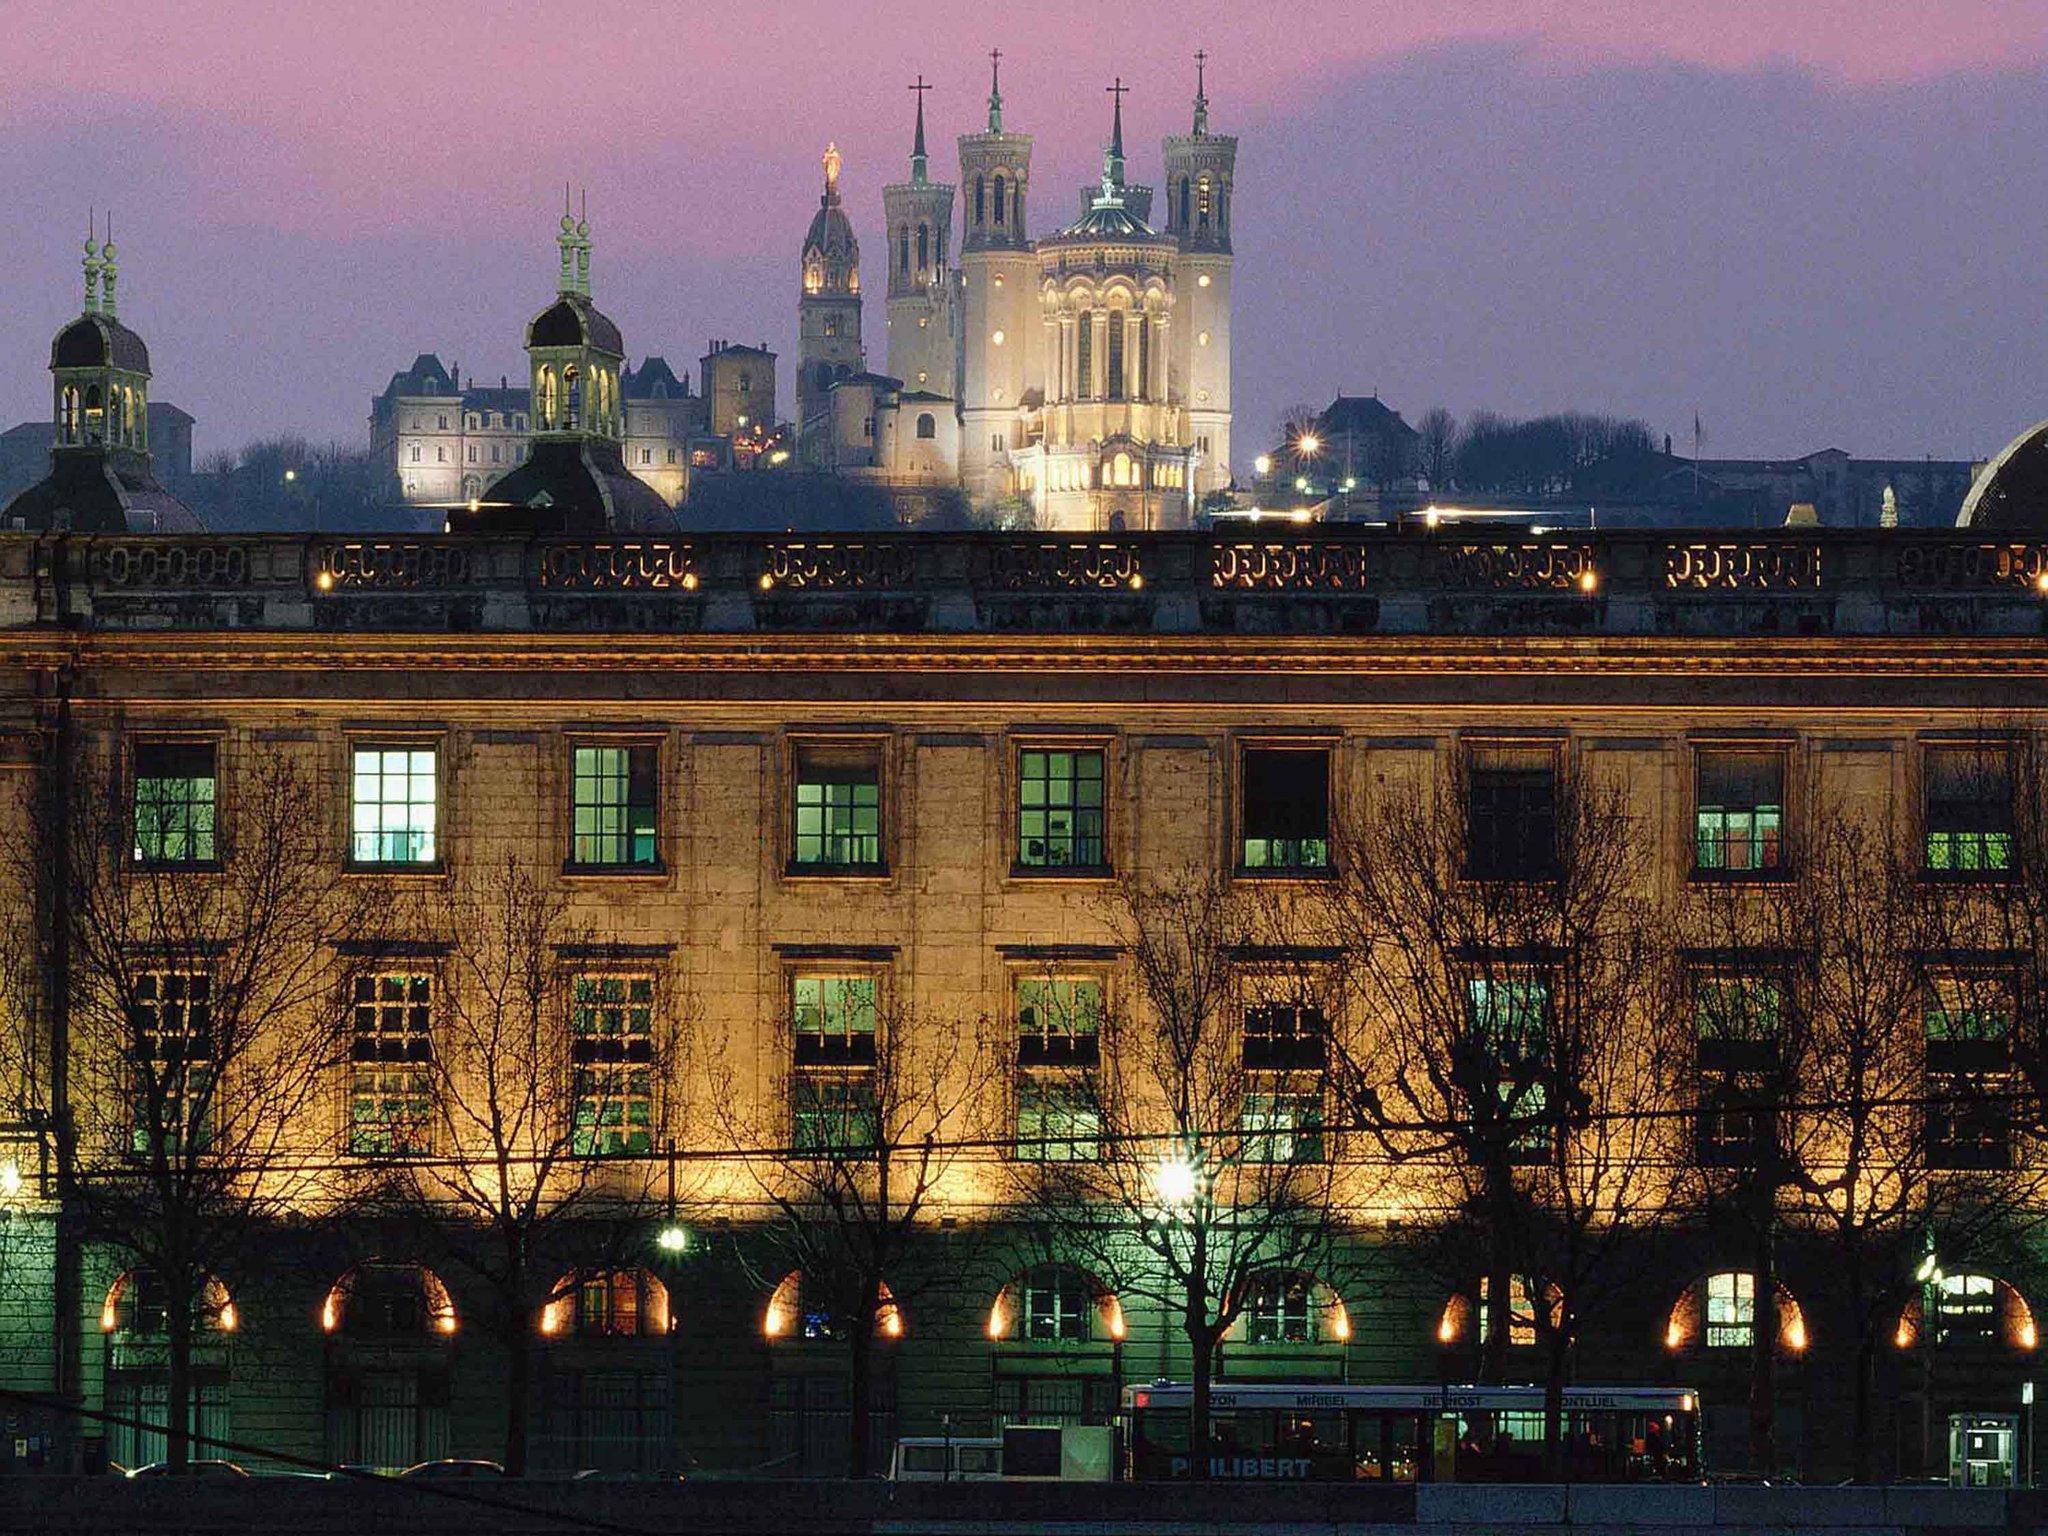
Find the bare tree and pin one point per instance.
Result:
(1512, 1055)
(1197, 1171)
(1437, 447)
(526, 1130)
(190, 972)
(867, 1109)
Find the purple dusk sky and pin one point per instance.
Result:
(1818, 223)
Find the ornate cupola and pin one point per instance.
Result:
(574, 480)
(828, 308)
(100, 479)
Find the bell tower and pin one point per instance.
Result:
(1200, 172)
(1001, 334)
(828, 312)
(917, 216)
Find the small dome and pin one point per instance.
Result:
(2012, 492)
(573, 321)
(831, 233)
(99, 341)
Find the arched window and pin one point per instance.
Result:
(980, 205)
(378, 1300)
(67, 414)
(1291, 1307)
(1205, 198)
(999, 199)
(572, 398)
(1967, 1311)
(903, 248)
(1055, 1303)
(1467, 1315)
(1117, 324)
(1720, 1311)
(1120, 472)
(95, 415)
(800, 1311)
(1084, 355)
(607, 1304)
(546, 404)
(924, 247)
(1185, 186)
(927, 425)
(138, 1306)
(1144, 357)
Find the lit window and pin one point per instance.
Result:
(1508, 1019)
(1281, 1309)
(1059, 1021)
(174, 802)
(834, 1020)
(612, 1053)
(1965, 1310)
(393, 806)
(1739, 814)
(834, 1113)
(1058, 1120)
(1731, 1310)
(1521, 1312)
(1282, 1127)
(1511, 814)
(391, 1053)
(1968, 810)
(620, 1303)
(1059, 810)
(170, 1020)
(612, 810)
(1285, 812)
(838, 811)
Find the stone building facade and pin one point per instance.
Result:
(845, 749)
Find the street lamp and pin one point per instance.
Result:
(1177, 1184)
(1309, 444)
(673, 1239)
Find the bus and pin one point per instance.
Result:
(1330, 1433)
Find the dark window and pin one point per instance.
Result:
(1059, 1021)
(1056, 1304)
(1738, 1021)
(170, 1021)
(1289, 1037)
(612, 1056)
(1280, 1310)
(833, 1018)
(1969, 810)
(927, 425)
(838, 811)
(1969, 1031)
(1059, 810)
(1084, 355)
(612, 806)
(903, 248)
(1739, 811)
(1116, 354)
(1000, 200)
(980, 201)
(391, 1055)
(924, 246)
(1285, 815)
(175, 791)
(1511, 814)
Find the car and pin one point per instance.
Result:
(196, 1468)
(453, 1467)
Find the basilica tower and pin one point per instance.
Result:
(917, 217)
(828, 313)
(1000, 333)
(1200, 167)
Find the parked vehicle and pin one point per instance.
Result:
(201, 1468)
(455, 1467)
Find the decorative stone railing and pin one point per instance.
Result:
(1311, 579)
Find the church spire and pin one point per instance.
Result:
(1113, 160)
(109, 273)
(919, 165)
(995, 90)
(565, 242)
(1201, 92)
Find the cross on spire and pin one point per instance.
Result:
(918, 158)
(1113, 161)
(1201, 91)
(995, 90)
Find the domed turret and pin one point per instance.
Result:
(828, 313)
(100, 478)
(574, 480)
